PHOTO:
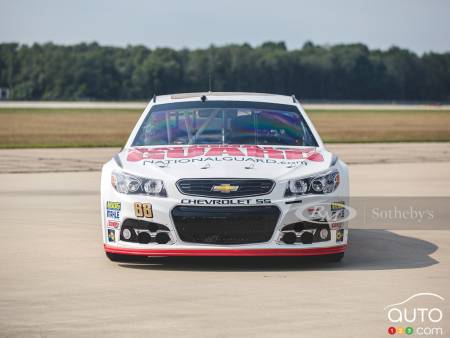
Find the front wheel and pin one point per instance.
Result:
(124, 258)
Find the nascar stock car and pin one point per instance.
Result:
(224, 174)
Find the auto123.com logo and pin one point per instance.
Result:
(419, 315)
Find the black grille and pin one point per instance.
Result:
(205, 187)
(225, 225)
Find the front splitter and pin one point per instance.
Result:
(227, 252)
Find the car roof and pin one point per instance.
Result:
(225, 96)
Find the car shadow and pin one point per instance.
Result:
(367, 250)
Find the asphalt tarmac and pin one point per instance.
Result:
(55, 280)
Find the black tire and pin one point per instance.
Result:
(334, 258)
(124, 258)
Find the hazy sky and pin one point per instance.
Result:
(420, 25)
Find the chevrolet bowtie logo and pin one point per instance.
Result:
(225, 188)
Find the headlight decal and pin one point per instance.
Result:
(131, 184)
(321, 184)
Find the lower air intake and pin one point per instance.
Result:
(225, 225)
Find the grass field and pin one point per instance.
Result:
(30, 127)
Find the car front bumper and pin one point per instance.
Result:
(162, 214)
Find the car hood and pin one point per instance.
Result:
(224, 161)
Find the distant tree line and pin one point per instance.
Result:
(339, 72)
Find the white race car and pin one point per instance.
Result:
(224, 174)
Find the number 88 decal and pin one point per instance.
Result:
(143, 210)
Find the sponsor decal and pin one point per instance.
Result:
(337, 206)
(113, 224)
(419, 314)
(250, 160)
(111, 235)
(225, 188)
(226, 202)
(113, 210)
(143, 210)
(244, 153)
(340, 235)
(338, 214)
(336, 226)
(337, 210)
(113, 205)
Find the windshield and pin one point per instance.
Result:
(227, 123)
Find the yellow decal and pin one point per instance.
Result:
(225, 188)
(337, 205)
(143, 210)
(113, 205)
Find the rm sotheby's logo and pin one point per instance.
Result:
(419, 314)
(325, 212)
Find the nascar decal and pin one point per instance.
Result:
(217, 152)
(113, 209)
